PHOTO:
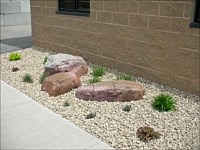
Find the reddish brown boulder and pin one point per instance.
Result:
(65, 63)
(80, 71)
(113, 91)
(60, 83)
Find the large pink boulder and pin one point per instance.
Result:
(65, 63)
(60, 83)
(113, 91)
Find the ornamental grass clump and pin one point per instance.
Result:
(163, 102)
(90, 116)
(14, 56)
(127, 108)
(98, 71)
(27, 78)
(42, 77)
(66, 104)
(94, 80)
(125, 77)
(45, 60)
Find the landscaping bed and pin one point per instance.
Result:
(179, 129)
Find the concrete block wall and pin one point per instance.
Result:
(15, 12)
(148, 38)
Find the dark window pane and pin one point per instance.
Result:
(75, 5)
(68, 4)
(83, 5)
(197, 16)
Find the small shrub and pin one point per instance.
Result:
(42, 77)
(14, 56)
(27, 78)
(66, 104)
(98, 71)
(163, 102)
(90, 115)
(126, 108)
(45, 60)
(94, 80)
(124, 77)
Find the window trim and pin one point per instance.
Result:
(71, 11)
(195, 24)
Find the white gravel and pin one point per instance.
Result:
(179, 129)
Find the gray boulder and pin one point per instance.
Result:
(65, 63)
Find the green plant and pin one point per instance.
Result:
(66, 104)
(94, 80)
(98, 71)
(14, 56)
(90, 115)
(126, 108)
(163, 102)
(42, 76)
(124, 77)
(27, 78)
(45, 60)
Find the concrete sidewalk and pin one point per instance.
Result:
(25, 124)
(15, 38)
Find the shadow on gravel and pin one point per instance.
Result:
(8, 45)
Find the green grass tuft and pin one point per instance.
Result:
(90, 115)
(98, 71)
(66, 104)
(94, 80)
(27, 78)
(127, 108)
(42, 77)
(14, 56)
(45, 60)
(163, 102)
(125, 77)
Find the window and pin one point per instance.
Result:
(196, 15)
(74, 6)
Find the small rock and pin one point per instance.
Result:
(146, 134)
(14, 69)
(118, 90)
(60, 83)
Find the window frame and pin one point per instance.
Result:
(196, 9)
(74, 11)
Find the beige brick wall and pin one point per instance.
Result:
(148, 38)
